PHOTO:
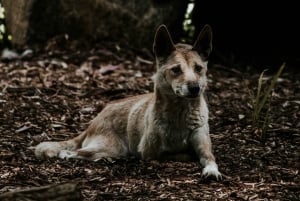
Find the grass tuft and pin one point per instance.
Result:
(263, 101)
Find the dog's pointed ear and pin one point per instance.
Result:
(163, 44)
(203, 44)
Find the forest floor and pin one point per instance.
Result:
(54, 94)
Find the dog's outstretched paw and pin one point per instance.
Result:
(211, 170)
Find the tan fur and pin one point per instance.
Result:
(170, 123)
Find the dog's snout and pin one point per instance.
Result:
(194, 88)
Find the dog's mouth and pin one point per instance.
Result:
(188, 95)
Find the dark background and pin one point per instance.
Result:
(246, 33)
(263, 33)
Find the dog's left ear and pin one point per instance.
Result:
(203, 44)
(163, 44)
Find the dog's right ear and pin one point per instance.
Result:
(203, 44)
(163, 44)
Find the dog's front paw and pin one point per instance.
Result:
(211, 170)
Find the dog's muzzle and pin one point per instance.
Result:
(194, 90)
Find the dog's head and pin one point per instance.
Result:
(181, 68)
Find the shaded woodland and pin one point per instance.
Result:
(84, 55)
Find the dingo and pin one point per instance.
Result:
(166, 124)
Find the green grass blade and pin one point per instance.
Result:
(256, 100)
(259, 84)
(270, 88)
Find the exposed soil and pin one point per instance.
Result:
(54, 94)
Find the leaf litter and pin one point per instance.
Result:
(54, 94)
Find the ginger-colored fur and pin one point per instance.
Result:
(169, 123)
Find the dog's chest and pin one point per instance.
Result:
(175, 140)
(176, 131)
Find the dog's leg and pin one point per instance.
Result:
(97, 147)
(90, 153)
(202, 146)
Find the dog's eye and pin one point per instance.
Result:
(198, 68)
(176, 70)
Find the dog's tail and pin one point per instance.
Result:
(52, 149)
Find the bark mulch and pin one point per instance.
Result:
(54, 94)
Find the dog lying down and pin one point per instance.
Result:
(165, 125)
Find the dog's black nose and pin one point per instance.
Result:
(194, 88)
